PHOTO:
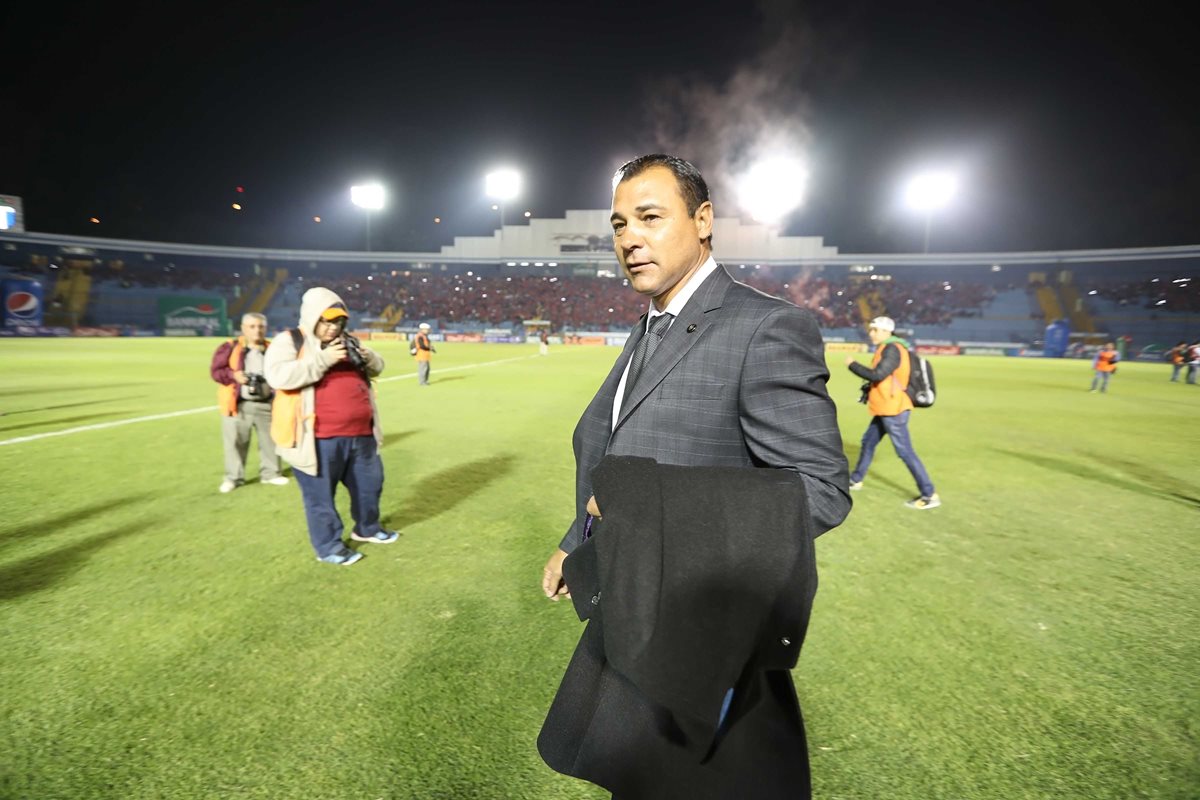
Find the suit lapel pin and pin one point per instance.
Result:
(691, 328)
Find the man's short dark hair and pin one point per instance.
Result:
(692, 186)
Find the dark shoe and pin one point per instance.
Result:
(343, 558)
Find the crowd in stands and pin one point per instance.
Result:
(603, 304)
(582, 303)
(1161, 294)
(166, 276)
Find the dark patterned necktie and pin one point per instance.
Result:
(643, 352)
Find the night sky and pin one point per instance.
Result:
(1072, 126)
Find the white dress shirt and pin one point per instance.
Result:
(674, 307)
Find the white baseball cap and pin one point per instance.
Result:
(424, 326)
(884, 324)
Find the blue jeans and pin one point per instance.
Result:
(1102, 379)
(897, 428)
(354, 462)
(1175, 370)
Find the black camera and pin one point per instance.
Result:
(354, 353)
(256, 386)
(864, 391)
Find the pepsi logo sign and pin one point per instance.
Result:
(22, 305)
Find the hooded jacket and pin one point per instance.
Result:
(291, 372)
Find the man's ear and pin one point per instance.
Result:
(704, 220)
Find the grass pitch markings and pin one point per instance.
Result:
(204, 409)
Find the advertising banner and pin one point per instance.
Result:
(984, 351)
(22, 302)
(845, 347)
(464, 337)
(387, 336)
(192, 316)
(937, 350)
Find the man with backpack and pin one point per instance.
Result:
(886, 395)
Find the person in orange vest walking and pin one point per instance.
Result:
(244, 399)
(886, 397)
(1105, 364)
(422, 349)
(1177, 355)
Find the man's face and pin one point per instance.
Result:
(328, 330)
(658, 243)
(878, 335)
(254, 330)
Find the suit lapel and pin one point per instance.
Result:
(684, 333)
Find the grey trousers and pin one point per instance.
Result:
(235, 435)
(423, 373)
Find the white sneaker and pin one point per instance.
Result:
(227, 487)
(278, 480)
(856, 486)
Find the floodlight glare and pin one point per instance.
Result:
(931, 191)
(503, 184)
(370, 196)
(773, 188)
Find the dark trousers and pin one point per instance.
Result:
(354, 462)
(897, 428)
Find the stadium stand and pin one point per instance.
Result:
(944, 299)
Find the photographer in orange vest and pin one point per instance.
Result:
(886, 396)
(1105, 364)
(244, 400)
(423, 350)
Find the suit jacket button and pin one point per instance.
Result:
(692, 328)
(596, 599)
(785, 641)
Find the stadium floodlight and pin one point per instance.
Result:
(501, 185)
(369, 197)
(930, 192)
(773, 188)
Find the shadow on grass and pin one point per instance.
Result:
(60, 390)
(47, 526)
(92, 403)
(399, 436)
(447, 379)
(61, 421)
(442, 491)
(1165, 483)
(43, 571)
(1099, 475)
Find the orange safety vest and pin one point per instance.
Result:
(286, 411)
(1106, 361)
(888, 397)
(422, 345)
(227, 394)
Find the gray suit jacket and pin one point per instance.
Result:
(738, 381)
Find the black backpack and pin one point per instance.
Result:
(922, 389)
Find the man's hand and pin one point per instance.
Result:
(552, 580)
(240, 377)
(592, 508)
(335, 352)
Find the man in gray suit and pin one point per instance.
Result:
(716, 375)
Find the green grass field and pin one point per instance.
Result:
(1036, 637)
